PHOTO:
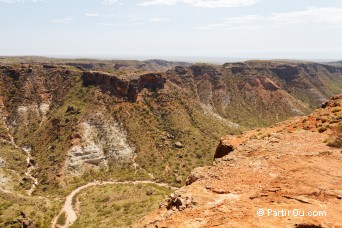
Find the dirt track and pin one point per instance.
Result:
(71, 215)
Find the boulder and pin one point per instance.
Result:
(224, 148)
(149, 193)
(196, 174)
(179, 179)
(177, 202)
(179, 145)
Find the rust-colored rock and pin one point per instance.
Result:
(272, 175)
(197, 174)
(224, 148)
(127, 87)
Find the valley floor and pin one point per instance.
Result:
(71, 210)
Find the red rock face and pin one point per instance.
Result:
(264, 83)
(125, 87)
(289, 167)
(223, 149)
(268, 84)
(106, 82)
(152, 81)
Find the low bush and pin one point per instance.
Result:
(335, 139)
(61, 219)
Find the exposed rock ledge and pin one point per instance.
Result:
(291, 168)
(99, 140)
(127, 87)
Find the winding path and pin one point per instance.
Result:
(70, 212)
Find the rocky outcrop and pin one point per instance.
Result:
(151, 81)
(286, 72)
(235, 92)
(197, 174)
(178, 202)
(126, 87)
(287, 171)
(264, 83)
(55, 109)
(99, 141)
(200, 70)
(223, 149)
(179, 145)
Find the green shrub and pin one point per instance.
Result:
(61, 219)
(338, 109)
(335, 139)
(322, 129)
(335, 142)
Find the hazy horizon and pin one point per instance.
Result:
(241, 29)
(189, 59)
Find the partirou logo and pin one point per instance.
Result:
(260, 212)
(287, 213)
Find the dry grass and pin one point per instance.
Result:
(335, 139)
(118, 205)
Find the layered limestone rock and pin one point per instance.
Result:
(99, 140)
(26, 96)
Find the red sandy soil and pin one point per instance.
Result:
(287, 168)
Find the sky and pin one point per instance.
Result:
(251, 29)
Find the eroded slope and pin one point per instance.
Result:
(80, 125)
(294, 165)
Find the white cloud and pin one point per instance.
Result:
(137, 20)
(201, 3)
(65, 20)
(109, 2)
(241, 22)
(91, 15)
(211, 26)
(98, 15)
(159, 19)
(17, 1)
(159, 2)
(243, 19)
(329, 15)
(311, 15)
(109, 24)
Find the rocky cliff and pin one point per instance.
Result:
(126, 87)
(84, 125)
(51, 106)
(285, 176)
(283, 89)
